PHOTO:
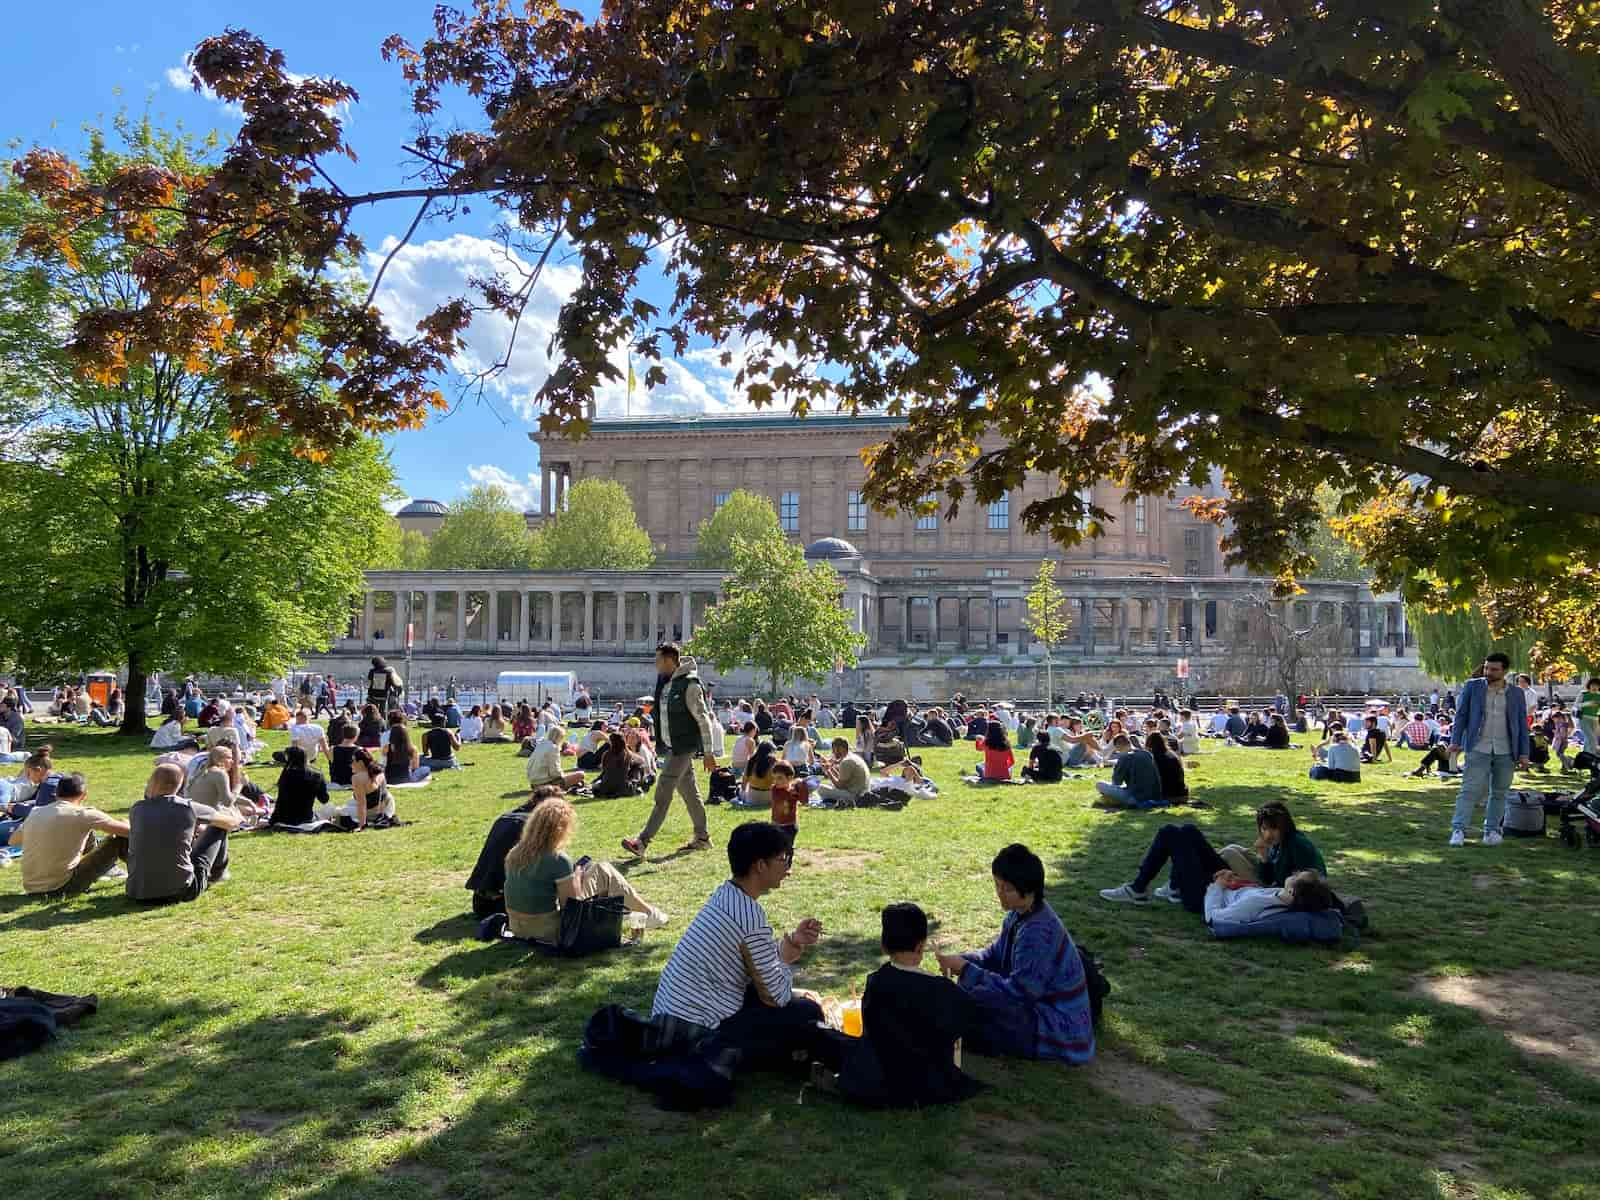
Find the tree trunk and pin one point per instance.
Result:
(133, 718)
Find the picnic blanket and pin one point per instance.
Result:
(393, 787)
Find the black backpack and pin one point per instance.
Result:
(1095, 982)
(724, 787)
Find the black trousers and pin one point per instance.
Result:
(1193, 860)
(767, 1038)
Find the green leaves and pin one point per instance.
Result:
(597, 531)
(782, 615)
(483, 531)
(745, 516)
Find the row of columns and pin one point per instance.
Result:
(432, 627)
(555, 480)
(1134, 624)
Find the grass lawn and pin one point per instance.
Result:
(324, 1025)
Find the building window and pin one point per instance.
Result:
(1191, 540)
(857, 511)
(924, 573)
(789, 512)
(1083, 572)
(1138, 515)
(1085, 498)
(721, 499)
(1000, 513)
(1191, 566)
(927, 521)
(997, 572)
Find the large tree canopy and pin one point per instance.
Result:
(1350, 243)
(596, 531)
(139, 533)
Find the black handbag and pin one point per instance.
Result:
(589, 926)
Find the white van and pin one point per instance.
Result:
(536, 687)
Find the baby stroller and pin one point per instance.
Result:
(1579, 816)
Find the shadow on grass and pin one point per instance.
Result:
(105, 900)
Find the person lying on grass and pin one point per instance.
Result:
(1234, 898)
(1281, 850)
(1030, 985)
(540, 877)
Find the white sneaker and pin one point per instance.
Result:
(1493, 838)
(1168, 893)
(656, 919)
(1457, 838)
(1124, 895)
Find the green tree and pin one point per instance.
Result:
(143, 534)
(746, 515)
(1335, 557)
(482, 531)
(781, 615)
(597, 531)
(1046, 619)
(1451, 644)
(1350, 243)
(398, 549)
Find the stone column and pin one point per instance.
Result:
(1088, 627)
(555, 620)
(933, 622)
(461, 618)
(994, 624)
(1122, 624)
(588, 638)
(1163, 617)
(688, 613)
(367, 617)
(544, 490)
(655, 621)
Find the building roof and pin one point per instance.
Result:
(831, 547)
(423, 508)
(730, 423)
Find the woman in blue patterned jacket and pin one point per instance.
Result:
(1030, 986)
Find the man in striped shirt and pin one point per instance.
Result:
(728, 973)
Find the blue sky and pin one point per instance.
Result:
(63, 65)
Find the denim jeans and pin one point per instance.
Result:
(1483, 773)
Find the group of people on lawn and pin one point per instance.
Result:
(727, 993)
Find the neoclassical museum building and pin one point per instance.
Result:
(939, 601)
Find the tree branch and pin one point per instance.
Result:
(1520, 491)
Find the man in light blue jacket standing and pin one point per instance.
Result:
(1491, 727)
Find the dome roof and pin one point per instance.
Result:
(423, 508)
(831, 547)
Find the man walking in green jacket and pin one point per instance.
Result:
(683, 733)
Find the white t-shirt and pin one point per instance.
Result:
(307, 737)
(168, 736)
(471, 728)
(798, 753)
(5, 740)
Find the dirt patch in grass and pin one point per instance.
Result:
(1142, 1087)
(1482, 883)
(1291, 1019)
(1356, 1093)
(262, 1122)
(1542, 1013)
(835, 860)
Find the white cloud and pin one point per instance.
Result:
(182, 80)
(423, 274)
(524, 495)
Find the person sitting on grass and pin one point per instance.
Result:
(797, 750)
(402, 761)
(997, 756)
(866, 740)
(220, 783)
(912, 1025)
(1135, 780)
(540, 877)
(1188, 732)
(743, 747)
(299, 789)
(440, 744)
(544, 764)
(1375, 745)
(1342, 761)
(275, 715)
(370, 799)
(592, 747)
(1439, 754)
(487, 883)
(622, 772)
(1044, 762)
(848, 777)
(341, 761)
(1030, 985)
(166, 860)
(472, 724)
(59, 854)
(310, 738)
(1174, 788)
(495, 728)
(1281, 850)
(757, 790)
(1081, 747)
(170, 736)
(729, 984)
